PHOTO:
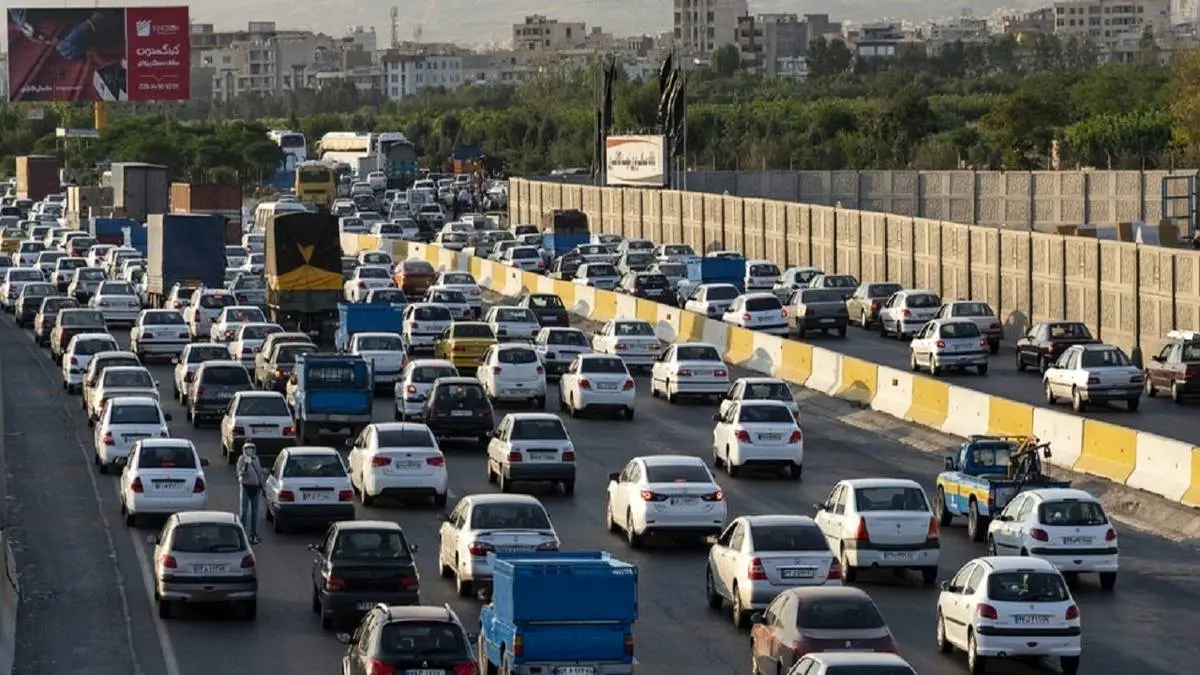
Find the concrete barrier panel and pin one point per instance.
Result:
(795, 361)
(766, 354)
(894, 392)
(968, 412)
(1009, 418)
(741, 345)
(1108, 451)
(604, 307)
(666, 325)
(646, 310)
(545, 285)
(930, 402)
(416, 251)
(716, 333)
(349, 243)
(826, 371)
(626, 306)
(1164, 466)
(691, 327)
(585, 300)
(1063, 432)
(529, 283)
(398, 249)
(859, 380)
(1192, 496)
(565, 290)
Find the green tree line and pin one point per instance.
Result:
(1007, 104)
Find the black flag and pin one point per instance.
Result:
(610, 77)
(664, 75)
(677, 117)
(664, 102)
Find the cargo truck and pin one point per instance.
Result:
(566, 612)
(563, 230)
(38, 176)
(110, 230)
(140, 189)
(182, 249)
(356, 317)
(220, 200)
(304, 272)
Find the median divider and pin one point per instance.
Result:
(1144, 461)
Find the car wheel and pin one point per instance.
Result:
(976, 664)
(440, 498)
(710, 591)
(491, 475)
(1108, 580)
(943, 644)
(631, 536)
(574, 408)
(849, 572)
(1077, 402)
(730, 468)
(672, 397)
(1132, 404)
(164, 608)
(462, 586)
(250, 610)
(504, 483)
(568, 487)
(912, 362)
(629, 414)
(1176, 393)
(316, 601)
(539, 403)
(737, 611)
(982, 369)
(608, 518)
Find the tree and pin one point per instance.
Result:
(726, 60)
(827, 58)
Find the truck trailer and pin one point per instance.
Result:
(182, 248)
(304, 272)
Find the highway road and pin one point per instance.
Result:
(87, 608)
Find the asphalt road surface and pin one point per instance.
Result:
(87, 609)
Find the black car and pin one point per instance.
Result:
(458, 407)
(30, 302)
(48, 314)
(72, 322)
(646, 285)
(564, 268)
(213, 388)
(547, 307)
(359, 564)
(403, 639)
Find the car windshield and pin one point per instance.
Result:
(672, 270)
(838, 614)
(381, 343)
(972, 309)
(208, 538)
(677, 473)
(567, 337)
(520, 516)
(1104, 358)
(598, 365)
(633, 329)
(959, 329)
(83, 317)
(377, 259)
(286, 354)
(217, 300)
(767, 391)
(517, 356)
(25, 275)
(1027, 586)
(788, 538)
(70, 263)
(1069, 331)
(263, 406)
(403, 640)
(244, 315)
(167, 457)
(116, 288)
(890, 498)
(445, 295)
(515, 315)
(37, 290)
(135, 413)
(765, 413)
(405, 438)
(259, 332)
(90, 274)
(764, 271)
(248, 283)
(473, 331)
(1071, 513)
(546, 302)
(652, 281)
(840, 281)
(433, 313)
(818, 295)
(89, 347)
(314, 466)
(228, 375)
(202, 353)
(373, 273)
(601, 270)
(389, 296)
(697, 353)
(547, 429)
(763, 304)
(721, 293)
(417, 267)
(128, 378)
(370, 545)
(922, 300)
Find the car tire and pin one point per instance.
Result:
(737, 612)
(976, 664)
(943, 645)
(164, 608)
(841, 331)
(730, 468)
(568, 487)
(1132, 404)
(929, 576)
(250, 610)
(463, 587)
(491, 475)
(367, 499)
(573, 410)
(672, 397)
(316, 601)
(503, 483)
(1108, 580)
(982, 369)
(1176, 393)
(849, 572)
(632, 538)
(539, 403)
(629, 414)
(440, 499)
(1077, 402)
(715, 601)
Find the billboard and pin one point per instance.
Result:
(638, 161)
(99, 54)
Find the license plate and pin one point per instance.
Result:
(1031, 619)
(167, 484)
(460, 413)
(827, 320)
(408, 464)
(770, 437)
(897, 555)
(134, 437)
(209, 569)
(425, 671)
(798, 572)
(367, 606)
(543, 456)
(314, 496)
(223, 396)
(263, 429)
(683, 501)
(339, 418)
(1073, 541)
(606, 385)
(575, 670)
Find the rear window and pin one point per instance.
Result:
(405, 438)
(838, 614)
(697, 353)
(127, 378)
(788, 538)
(603, 365)
(546, 302)
(446, 295)
(25, 275)
(959, 329)
(81, 318)
(767, 391)
(639, 245)
(32, 247)
(116, 288)
(53, 305)
(373, 273)
(377, 259)
(225, 376)
(633, 329)
(721, 293)
(840, 281)
(70, 263)
(382, 343)
(1027, 586)
(89, 347)
(417, 267)
(457, 278)
(765, 414)
(883, 290)
(542, 429)
(245, 315)
(764, 271)
(235, 251)
(37, 290)
(135, 414)
(162, 319)
(517, 315)
(599, 270)
(567, 337)
(202, 353)
(890, 498)
(286, 355)
(336, 376)
(249, 283)
(1060, 331)
(388, 297)
(263, 406)
(817, 295)
(473, 330)
(91, 274)
(973, 309)
(259, 332)
(518, 516)
(638, 258)
(370, 545)
(868, 670)
(217, 301)
(1104, 358)
(923, 300)
(469, 394)
(427, 374)
(434, 313)
(314, 466)
(672, 270)
(525, 252)
(1071, 514)
(763, 304)
(652, 281)
(677, 473)
(208, 538)
(517, 356)
(167, 457)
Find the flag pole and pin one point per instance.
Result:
(683, 93)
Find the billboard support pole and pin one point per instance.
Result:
(100, 115)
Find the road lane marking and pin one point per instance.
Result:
(164, 639)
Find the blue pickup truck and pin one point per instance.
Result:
(562, 612)
(330, 391)
(985, 474)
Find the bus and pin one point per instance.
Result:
(316, 183)
(399, 160)
(267, 210)
(390, 152)
(295, 151)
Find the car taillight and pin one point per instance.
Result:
(177, 305)
(479, 549)
(861, 533)
(796, 436)
(983, 342)
(362, 285)
(1072, 613)
(720, 372)
(568, 456)
(345, 495)
(875, 306)
(247, 562)
(108, 440)
(548, 546)
(518, 645)
(941, 344)
(717, 496)
(746, 316)
(986, 611)
(132, 304)
(1111, 535)
(515, 456)
(497, 370)
(137, 486)
(381, 461)
(651, 496)
(743, 435)
(1039, 534)
(189, 377)
(465, 669)
(756, 572)
(168, 561)
(334, 583)
(409, 583)
(411, 389)
(994, 326)
(287, 496)
(239, 431)
(541, 370)
(102, 303)
(932, 532)
(435, 461)
(628, 385)
(1093, 380)
(710, 309)
(584, 383)
(199, 487)
(906, 314)
(684, 373)
(835, 570)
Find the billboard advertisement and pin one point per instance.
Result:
(637, 161)
(98, 54)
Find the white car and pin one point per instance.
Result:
(752, 434)
(1066, 526)
(761, 389)
(526, 258)
(1094, 373)
(161, 477)
(397, 459)
(465, 282)
(118, 301)
(711, 300)
(204, 308)
(1009, 607)
(513, 372)
(85, 282)
(375, 259)
(64, 271)
(758, 557)
(386, 352)
(452, 299)
(761, 275)
(451, 240)
(115, 382)
(513, 323)
(531, 447)
(832, 663)
(255, 264)
(602, 275)
(880, 522)
(949, 343)
(254, 242)
(78, 354)
(98, 254)
(15, 278)
(224, 327)
(180, 298)
(158, 332)
(262, 417)
(123, 422)
(308, 485)
(674, 253)
(672, 495)
(98, 364)
(414, 385)
(46, 261)
(758, 311)
(423, 324)
(794, 279)
(28, 252)
(248, 338)
(689, 369)
(558, 347)
(188, 362)
(906, 312)
(633, 340)
(366, 278)
(981, 314)
(597, 382)
(483, 524)
(235, 256)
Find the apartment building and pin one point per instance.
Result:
(966, 29)
(496, 67)
(765, 39)
(265, 61)
(881, 40)
(703, 25)
(1112, 24)
(541, 34)
(406, 74)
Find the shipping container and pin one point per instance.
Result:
(188, 198)
(111, 230)
(140, 189)
(184, 248)
(37, 176)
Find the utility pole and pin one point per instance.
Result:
(395, 15)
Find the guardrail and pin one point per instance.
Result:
(1140, 460)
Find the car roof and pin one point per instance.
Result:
(456, 324)
(1096, 347)
(419, 613)
(429, 362)
(759, 380)
(223, 363)
(764, 402)
(399, 426)
(81, 337)
(344, 525)
(259, 394)
(310, 451)
(381, 333)
(631, 321)
(858, 658)
(132, 400)
(459, 380)
(759, 296)
(828, 592)
(1007, 563)
(856, 483)
(503, 499)
(696, 344)
(166, 442)
(126, 369)
(193, 517)
(123, 355)
(777, 519)
(670, 460)
(518, 416)
(1064, 494)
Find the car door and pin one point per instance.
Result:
(620, 495)
(724, 422)
(660, 371)
(826, 516)
(1028, 347)
(733, 395)
(886, 313)
(274, 480)
(451, 529)
(227, 420)
(1159, 372)
(1006, 533)
(728, 552)
(358, 451)
(956, 609)
(321, 556)
(498, 445)
(1061, 376)
(601, 340)
(920, 345)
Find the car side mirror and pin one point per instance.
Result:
(948, 464)
(758, 618)
(820, 506)
(122, 461)
(349, 442)
(711, 540)
(945, 585)
(344, 638)
(168, 417)
(614, 477)
(716, 417)
(414, 548)
(1157, 359)
(1003, 518)
(204, 461)
(152, 539)
(315, 548)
